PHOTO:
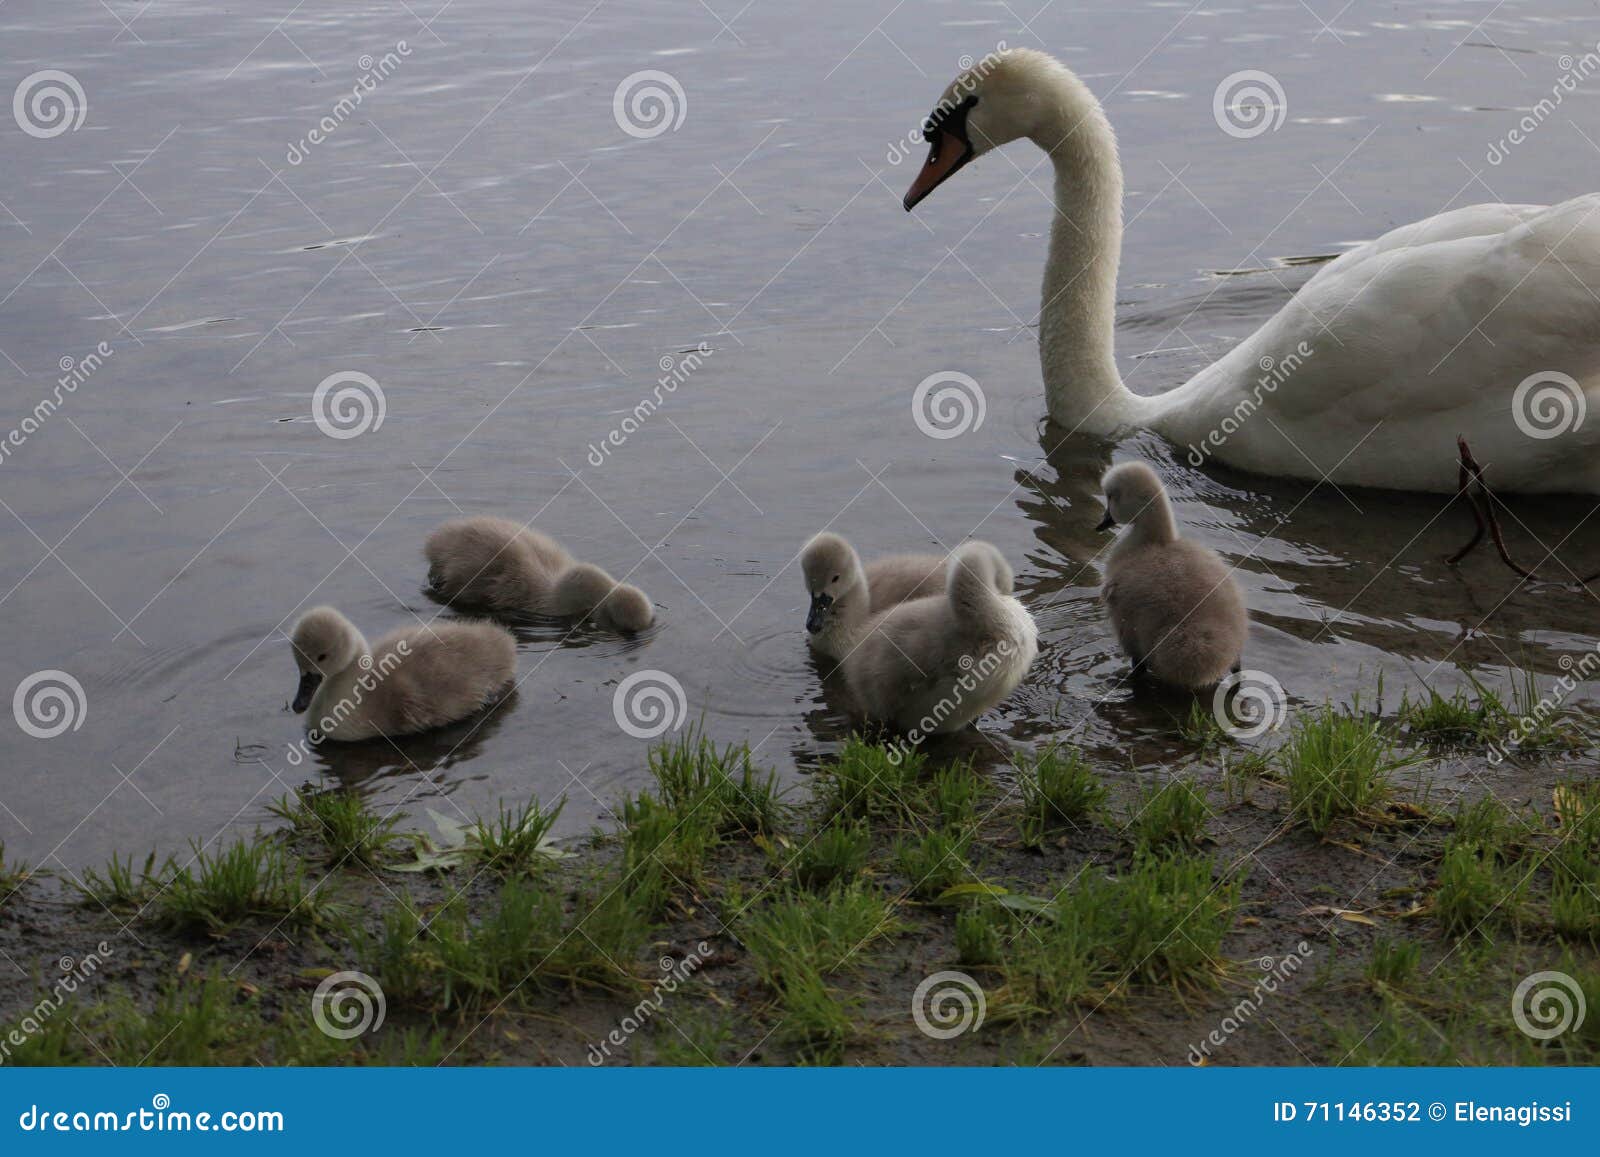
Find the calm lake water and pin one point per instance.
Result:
(482, 239)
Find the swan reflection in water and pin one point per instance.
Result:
(429, 756)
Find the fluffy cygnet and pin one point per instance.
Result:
(502, 566)
(845, 594)
(1173, 603)
(933, 665)
(412, 679)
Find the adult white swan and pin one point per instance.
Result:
(1483, 321)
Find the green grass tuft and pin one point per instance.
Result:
(834, 855)
(1337, 765)
(340, 821)
(722, 789)
(248, 880)
(1393, 963)
(934, 860)
(1170, 815)
(1059, 789)
(123, 887)
(868, 780)
(518, 839)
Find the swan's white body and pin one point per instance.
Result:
(1376, 365)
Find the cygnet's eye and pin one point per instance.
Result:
(834, 579)
(322, 656)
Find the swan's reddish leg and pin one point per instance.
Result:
(1464, 488)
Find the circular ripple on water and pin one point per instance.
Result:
(773, 676)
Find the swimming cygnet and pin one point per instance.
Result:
(845, 595)
(1173, 603)
(935, 664)
(412, 679)
(505, 567)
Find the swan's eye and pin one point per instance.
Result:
(955, 118)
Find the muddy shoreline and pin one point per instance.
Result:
(797, 930)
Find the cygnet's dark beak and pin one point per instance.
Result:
(307, 688)
(820, 602)
(1107, 523)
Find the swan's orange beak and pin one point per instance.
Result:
(946, 154)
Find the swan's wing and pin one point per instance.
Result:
(1488, 220)
(1391, 351)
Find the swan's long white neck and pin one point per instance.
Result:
(1077, 312)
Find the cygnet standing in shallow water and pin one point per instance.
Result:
(933, 665)
(845, 595)
(1174, 604)
(412, 679)
(505, 567)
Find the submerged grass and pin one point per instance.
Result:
(1519, 715)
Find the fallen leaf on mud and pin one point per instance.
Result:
(454, 846)
(184, 961)
(1349, 914)
(1032, 904)
(955, 891)
(1249, 921)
